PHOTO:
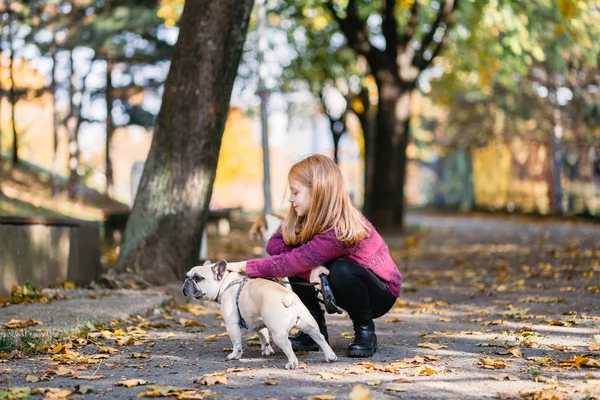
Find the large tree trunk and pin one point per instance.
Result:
(389, 167)
(163, 234)
(72, 129)
(109, 127)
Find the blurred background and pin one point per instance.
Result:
(505, 118)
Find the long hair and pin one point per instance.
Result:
(330, 206)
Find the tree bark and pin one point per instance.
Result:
(163, 234)
(54, 168)
(109, 127)
(12, 93)
(389, 166)
(72, 131)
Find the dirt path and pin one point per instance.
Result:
(489, 308)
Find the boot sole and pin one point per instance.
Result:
(306, 348)
(361, 353)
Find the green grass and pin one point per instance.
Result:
(28, 341)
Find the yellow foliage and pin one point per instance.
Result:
(241, 155)
(170, 11)
(491, 174)
(568, 8)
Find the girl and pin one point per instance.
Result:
(324, 233)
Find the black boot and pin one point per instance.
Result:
(364, 343)
(303, 342)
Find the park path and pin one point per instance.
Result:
(491, 307)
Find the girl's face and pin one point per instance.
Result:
(300, 197)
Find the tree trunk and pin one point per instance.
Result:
(163, 234)
(389, 167)
(12, 94)
(72, 131)
(54, 168)
(109, 127)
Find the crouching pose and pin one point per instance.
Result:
(324, 233)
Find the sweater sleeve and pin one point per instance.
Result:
(302, 259)
(276, 245)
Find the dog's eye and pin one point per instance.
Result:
(197, 278)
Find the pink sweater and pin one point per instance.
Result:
(285, 261)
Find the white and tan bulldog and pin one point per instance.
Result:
(260, 304)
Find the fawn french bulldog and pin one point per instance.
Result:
(258, 304)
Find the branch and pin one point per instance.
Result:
(355, 32)
(409, 32)
(446, 14)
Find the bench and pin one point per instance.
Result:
(47, 251)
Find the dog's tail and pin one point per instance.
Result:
(288, 299)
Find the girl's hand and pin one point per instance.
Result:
(315, 273)
(239, 267)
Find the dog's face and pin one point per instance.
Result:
(204, 281)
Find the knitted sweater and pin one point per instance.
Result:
(371, 252)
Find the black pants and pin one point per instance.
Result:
(356, 289)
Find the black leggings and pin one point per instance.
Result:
(356, 289)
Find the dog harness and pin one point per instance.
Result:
(240, 282)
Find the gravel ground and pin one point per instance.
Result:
(490, 307)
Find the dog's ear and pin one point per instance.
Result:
(219, 269)
(207, 262)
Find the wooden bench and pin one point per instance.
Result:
(47, 251)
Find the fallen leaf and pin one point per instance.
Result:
(427, 370)
(360, 392)
(189, 323)
(108, 350)
(237, 369)
(18, 324)
(322, 397)
(506, 377)
(32, 378)
(139, 355)
(129, 383)
(374, 383)
(433, 346)
(515, 351)
(215, 378)
(271, 383)
(393, 320)
(395, 388)
(161, 391)
(489, 363)
(211, 338)
(89, 377)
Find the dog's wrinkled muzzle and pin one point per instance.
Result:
(189, 289)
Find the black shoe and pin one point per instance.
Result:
(303, 342)
(364, 343)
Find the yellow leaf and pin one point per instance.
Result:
(213, 379)
(395, 388)
(189, 322)
(322, 397)
(32, 378)
(489, 363)
(427, 370)
(89, 377)
(393, 320)
(432, 346)
(108, 350)
(360, 392)
(271, 383)
(18, 324)
(129, 383)
(139, 355)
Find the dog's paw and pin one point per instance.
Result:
(236, 355)
(267, 350)
(330, 356)
(292, 364)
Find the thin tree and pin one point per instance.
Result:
(163, 233)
